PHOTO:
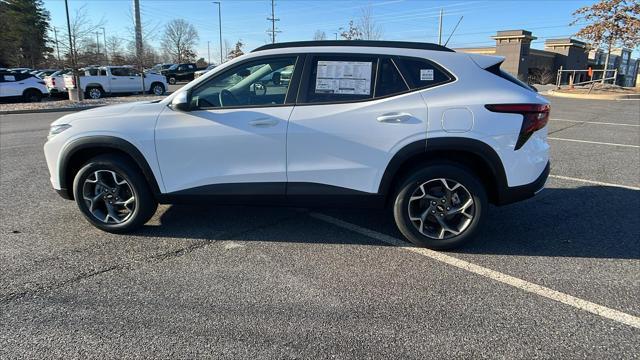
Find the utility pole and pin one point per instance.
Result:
(76, 94)
(104, 41)
(55, 34)
(97, 44)
(208, 53)
(139, 50)
(440, 29)
(220, 27)
(273, 20)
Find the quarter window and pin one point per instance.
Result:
(258, 83)
(389, 80)
(341, 78)
(421, 73)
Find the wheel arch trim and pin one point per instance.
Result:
(430, 145)
(110, 142)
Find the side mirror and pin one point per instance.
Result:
(181, 101)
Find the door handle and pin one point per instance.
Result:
(265, 122)
(394, 117)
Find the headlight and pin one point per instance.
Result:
(57, 129)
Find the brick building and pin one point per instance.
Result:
(541, 66)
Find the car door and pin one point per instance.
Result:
(353, 114)
(10, 85)
(233, 139)
(122, 80)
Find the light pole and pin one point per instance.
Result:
(97, 45)
(208, 53)
(219, 26)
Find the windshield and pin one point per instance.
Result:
(173, 67)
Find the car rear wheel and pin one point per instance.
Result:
(95, 93)
(440, 206)
(172, 81)
(32, 95)
(113, 195)
(157, 89)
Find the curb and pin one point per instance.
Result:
(37, 111)
(593, 96)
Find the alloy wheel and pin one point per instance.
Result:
(441, 208)
(158, 90)
(109, 197)
(95, 93)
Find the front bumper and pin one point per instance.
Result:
(510, 195)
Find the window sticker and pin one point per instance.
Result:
(344, 77)
(426, 74)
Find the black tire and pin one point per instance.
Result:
(94, 92)
(172, 80)
(156, 87)
(429, 174)
(32, 95)
(145, 203)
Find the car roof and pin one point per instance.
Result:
(356, 43)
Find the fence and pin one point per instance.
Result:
(574, 75)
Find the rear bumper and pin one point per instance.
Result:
(510, 195)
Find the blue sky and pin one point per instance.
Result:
(411, 20)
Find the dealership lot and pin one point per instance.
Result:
(267, 282)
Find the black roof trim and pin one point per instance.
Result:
(368, 43)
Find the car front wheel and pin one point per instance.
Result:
(113, 195)
(440, 206)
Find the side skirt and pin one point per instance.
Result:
(275, 194)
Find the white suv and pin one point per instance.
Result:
(437, 135)
(21, 86)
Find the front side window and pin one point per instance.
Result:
(339, 78)
(257, 83)
(119, 72)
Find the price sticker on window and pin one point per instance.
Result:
(426, 74)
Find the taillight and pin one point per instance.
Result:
(535, 117)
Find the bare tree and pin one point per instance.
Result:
(115, 50)
(368, 27)
(179, 40)
(352, 33)
(82, 37)
(320, 35)
(611, 23)
(236, 51)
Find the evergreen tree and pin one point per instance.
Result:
(24, 35)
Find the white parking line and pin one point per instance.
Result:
(567, 299)
(593, 142)
(594, 182)
(595, 122)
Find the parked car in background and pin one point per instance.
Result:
(20, 70)
(44, 72)
(180, 72)
(199, 73)
(55, 82)
(100, 81)
(21, 86)
(157, 69)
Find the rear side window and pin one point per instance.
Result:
(422, 73)
(495, 69)
(340, 78)
(389, 81)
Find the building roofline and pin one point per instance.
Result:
(362, 43)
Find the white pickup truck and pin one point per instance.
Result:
(96, 82)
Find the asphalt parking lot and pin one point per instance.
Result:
(557, 276)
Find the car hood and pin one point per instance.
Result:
(101, 112)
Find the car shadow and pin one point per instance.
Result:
(591, 221)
